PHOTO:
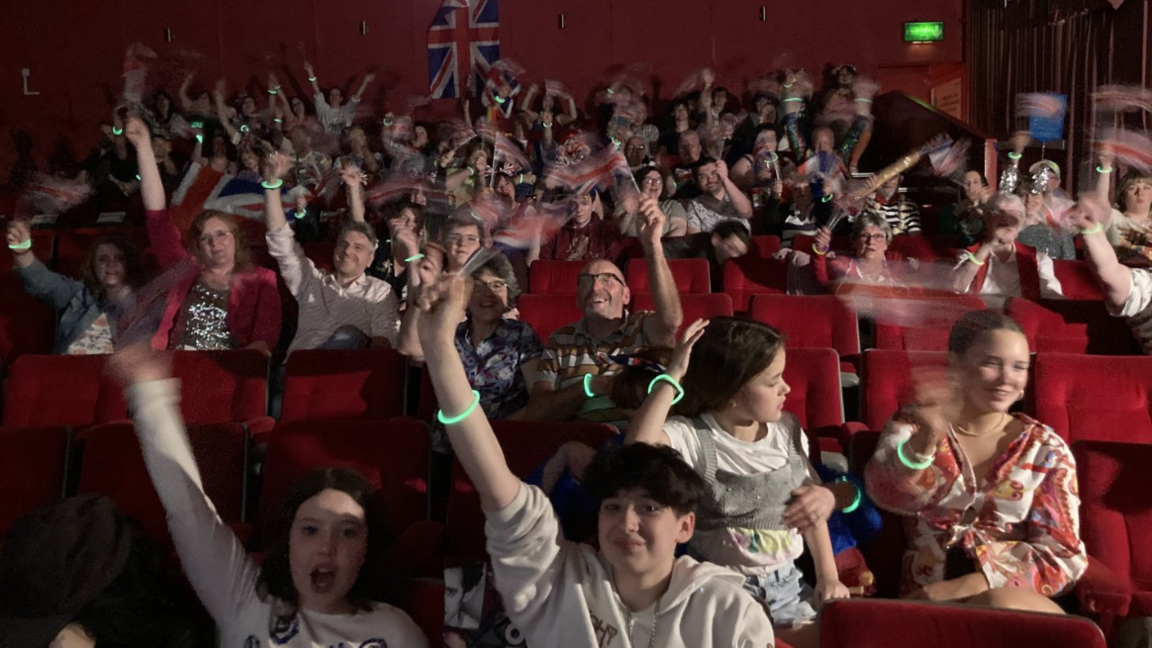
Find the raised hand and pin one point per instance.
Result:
(18, 235)
(352, 176)
(936, 404)
(441, 300)
(654, 219)
(683, 351)
(137, 133)
(823, 239)
(276, 166)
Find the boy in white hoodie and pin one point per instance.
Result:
(634, 592)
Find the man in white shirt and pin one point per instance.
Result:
(344, 308)
(331, 112)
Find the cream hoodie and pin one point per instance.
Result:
(560, 593)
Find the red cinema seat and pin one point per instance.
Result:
(764, 246)
(393, 455)
(1077, 279)
(423, 600)
(32, 466)
(222, 386)
(546, 313)
(526, 445)
(748, 276)
(66, 391)
(814, 376)
(692, 276)
(27, 325)
(812, 321)
(922, 323)
(1115, 501)
(1072, 326)
(887, 381)
(694, 307)
(871, 623)
(323, 384)
(1093, 398)
(554, 277)
(803, 243)
(114, 466)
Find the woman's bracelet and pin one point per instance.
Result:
(1095, 229)
(414, 257)
(1101, 170)
(272, 186)
(1014, 156)
(117, 131)
(818, 251)
(446, 420)
(973, 260)
(20, 247)
(671, 381)
(910, 464)
(851, 508)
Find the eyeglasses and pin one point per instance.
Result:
(602, 279)
(496, 285)
(651, 182)
(877, 237)
(462, 238)
(221, 236)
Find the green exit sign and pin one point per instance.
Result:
(923, 32)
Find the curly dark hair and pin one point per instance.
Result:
(659, 470)
(276, 574)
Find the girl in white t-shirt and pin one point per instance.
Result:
(763, 496)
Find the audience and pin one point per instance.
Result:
(651, 182)
(866, 265)
(902, 214)
(586, 236)
(729, 240)
(719, 200)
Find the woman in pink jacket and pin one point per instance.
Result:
(223, 301)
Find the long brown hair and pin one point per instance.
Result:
(731, 353)
(196, 229)
(134, 273)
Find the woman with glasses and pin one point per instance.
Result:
(868, 262)
(651, 182)
(499, 354)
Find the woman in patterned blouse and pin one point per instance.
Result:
(991, 497)
(499, 354)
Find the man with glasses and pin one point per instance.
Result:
(719, 201)
(575, 378)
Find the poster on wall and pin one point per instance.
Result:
(948, 96)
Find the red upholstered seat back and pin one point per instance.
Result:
(554, 277)
(221, 386)
(354, 384)
(747, 276)
(68, 391)
(1077, 279)
(887, 381)
(926, 248)
(527, 445)
(391, 454)
(1072, 326)
(114, 466)
(814, 376)
(1116, 511)
(764, 246)
(694, 307)
(32, 463)
(922, 323)
(27, 326)
(810, 321)
(546, 313)
(692, 276)
(1093, 398)
(872, 623)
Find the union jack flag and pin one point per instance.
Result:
(462, 43)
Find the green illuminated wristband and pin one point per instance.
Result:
(793, 99)
(500, 99)
(312, 79)
(912, 465)
(271, 92)
(1014, 156)
(26, 245)
(456, 419)
(272, 186)
(671, 381)
(546, 125)
(387, 122)
(588, 386)
(301, 213)
(1095, 229)
(414, 257)
(1102, 170)
(199, 138)
(851, 508)
(117, 131)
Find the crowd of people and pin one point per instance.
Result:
(435, 227)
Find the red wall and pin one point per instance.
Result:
(74, 48)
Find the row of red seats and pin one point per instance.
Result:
(1115, 491)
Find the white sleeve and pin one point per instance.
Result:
(1139, 294)
(386, 317)
(682, 438)
(214, 560)
(1049, 285)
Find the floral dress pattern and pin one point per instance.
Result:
(1019, 525)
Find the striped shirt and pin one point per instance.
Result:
(902, 215)
(367, 303)
(571, 352)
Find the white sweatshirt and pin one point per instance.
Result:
(560, 593)
(216, 563)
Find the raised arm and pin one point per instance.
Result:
(647, 426)
(274, 171)
(185, 100)
(354, 181)
(368, 78)
(660, 329)
(222, 111)
(739, 201)
(1092, 216)
(473, 441)
(312, 79)
(151, 187)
